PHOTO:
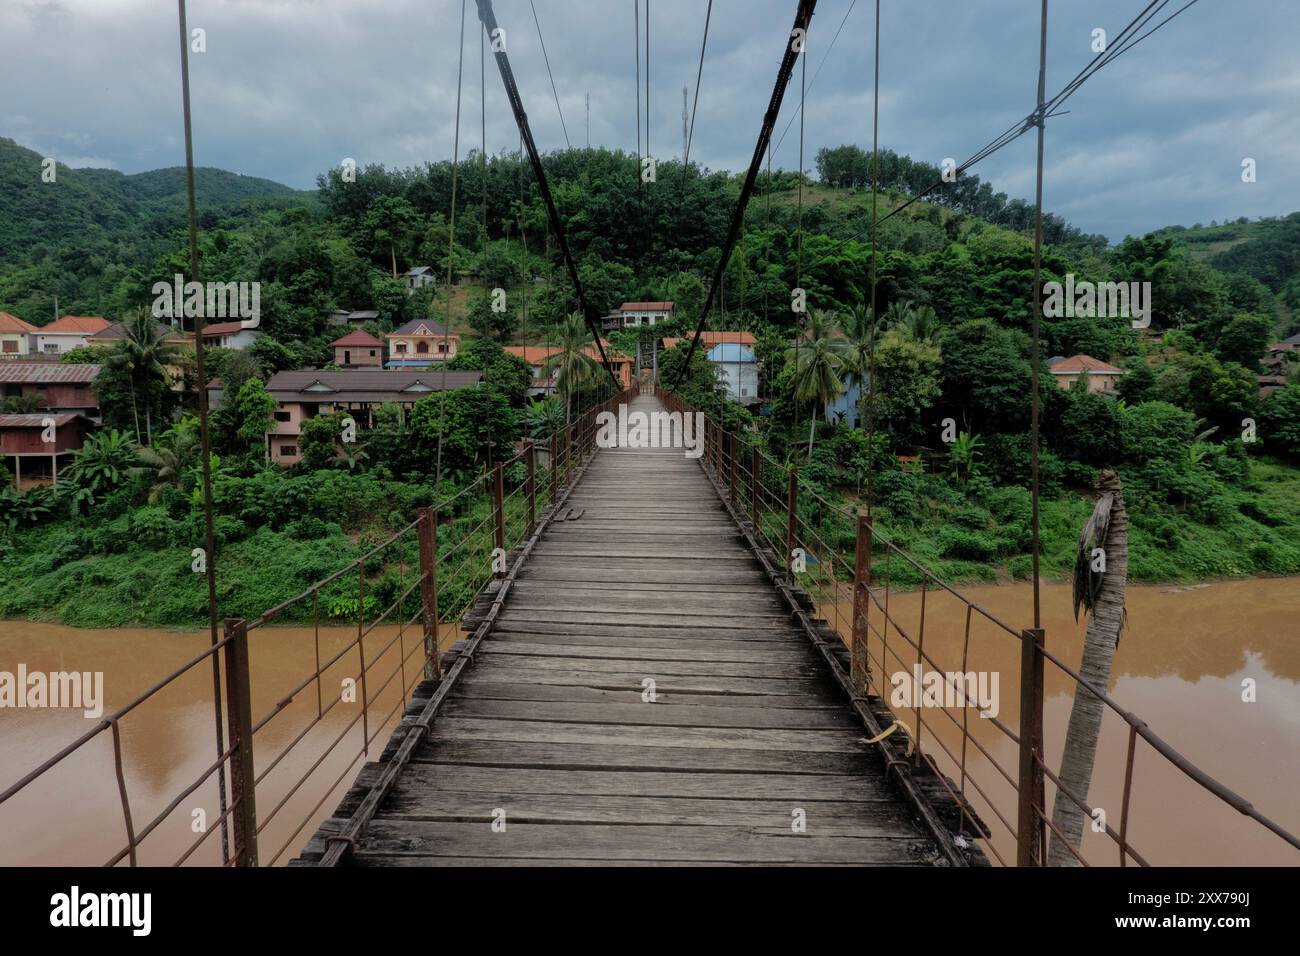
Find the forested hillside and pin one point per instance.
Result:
(950, 340)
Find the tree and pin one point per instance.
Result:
(168, 461)
(907, 381)
(1244, 339)
(142, 356)
(1099, 590)
(254, 406)
(1280, 422)
(391, 223)
(818, 365)
(860, 333)
(570, 362)
(102, 463)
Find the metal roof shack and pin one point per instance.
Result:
(365, 387)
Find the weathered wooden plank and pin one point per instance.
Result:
(667, 843)
(517, 690)
(542, 755)
(884, 818)
(816, 741)
(770, 653)
(577, 676)
(646, 714)
(657, 669)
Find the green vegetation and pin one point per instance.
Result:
(949, 343)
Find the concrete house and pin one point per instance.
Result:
(68, 333)
(16, 336)
(632, 314)
(738, 368)
(304, 394)
(421, 343)
(37, 447)
(229, 335)
(1103, 379)
(62, 388)
(358, 349)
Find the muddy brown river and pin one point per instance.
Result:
(1180, 666)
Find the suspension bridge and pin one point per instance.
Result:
(629, 656)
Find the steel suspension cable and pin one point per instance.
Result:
(488, 16)
(875, 323)
(699, 73)
(547, 60)
(451, 266)
(803, 16)
(209, 536)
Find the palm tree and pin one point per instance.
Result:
(860, 334)
(167, 461)
(818, 364)
(571, 338)
(143, 354)
(920, 320)
(1101, 594)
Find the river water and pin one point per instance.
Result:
(1180, 666)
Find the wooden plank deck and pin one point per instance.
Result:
(653, 582)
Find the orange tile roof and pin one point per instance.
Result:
(1085, 363)
(221, 328)
(11, 323)
(77, 324)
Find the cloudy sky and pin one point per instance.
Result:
(289, 87)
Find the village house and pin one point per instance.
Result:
(1103, 379)
(229, 335)
(358, 349)
(304, 394)
(16, 337)
(62, 388)
(35, 448)
(544, 382)
(632, 314)
(421, 343)
(417, 277)
(739, 371)
(68, 333)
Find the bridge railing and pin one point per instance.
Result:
(885, 605)
(289, 749)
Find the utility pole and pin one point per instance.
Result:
(589, 121)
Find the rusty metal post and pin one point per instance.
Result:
(754, 478)
(733, 442)
(792, 516)
(1029, 821)
(555, 467)
(239, 717)
(532, 486)
(499, 501)
(427, 532)
(860, 666)
(568, 453)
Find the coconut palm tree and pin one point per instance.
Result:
(143, 355)
(920, 320)
(1101, 594)
(819, 364)
(570, 338)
